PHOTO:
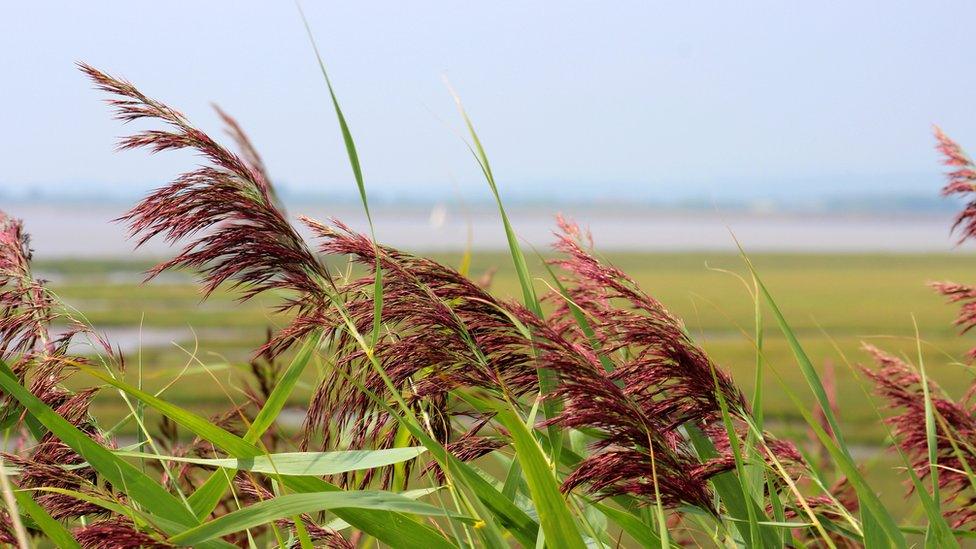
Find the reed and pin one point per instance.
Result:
(441, 415)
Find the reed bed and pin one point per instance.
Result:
(582, 415)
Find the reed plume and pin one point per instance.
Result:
(961, 181)
(899, 384)
(41, 362)
(27, 309)
(116, 533)
(7, 535)
(238, 233)
(965, 295)
(636, 378)
(225, 209)
(662, 366)
(441, 332)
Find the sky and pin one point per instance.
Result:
(694, 99)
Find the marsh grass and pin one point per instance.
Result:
(437, 414)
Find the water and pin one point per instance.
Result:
(130, 339)
(85, 230)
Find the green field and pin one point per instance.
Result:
(834, 302)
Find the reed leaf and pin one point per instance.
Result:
(838, 450)
(553, 509)
(53, 529)
(301, 463)
(287, 506)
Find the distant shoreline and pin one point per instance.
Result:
(71, 230)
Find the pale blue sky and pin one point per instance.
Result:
(696, 97)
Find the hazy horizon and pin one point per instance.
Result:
(710, 102)
(453, 227)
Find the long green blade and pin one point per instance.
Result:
(939, 533)
(806, 366)
(11, 415)
(283, 388)
(728, 487)
(204, 428)
(755, 530)
(553, 509)
(53, 529)
(547, 378)
(358, 175)
(392, 528)
(868, 499)
(205, 499)
(293, 504)
(139, 487)
(518, 257)
(634, 527)
(301, 463)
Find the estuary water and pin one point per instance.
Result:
(86, 230)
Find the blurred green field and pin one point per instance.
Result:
(834, 303)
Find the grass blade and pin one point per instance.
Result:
(634, 527)
(301, 463)
(753, 512)
(547, 378)
(205, 499)
(13, 414)
(931, 441)
(53, 529)
(866, 496)
(938, 533)
(806, 366)
(289, 505)
(728, 487)
(529, 297)
(283, 388)
(392, 528)
(139, 487)
(357, 172)
(13, 512)
(199, 425)
(838, 450)
(553, 509)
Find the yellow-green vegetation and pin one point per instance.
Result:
(834, 303)
(588, 410)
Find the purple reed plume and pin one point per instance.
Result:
(899, 384)
(225, 209)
